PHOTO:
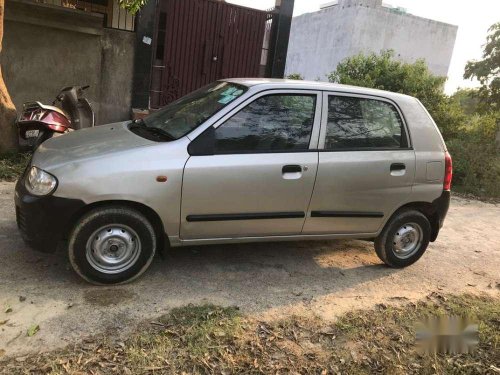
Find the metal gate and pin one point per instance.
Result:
(200, 41)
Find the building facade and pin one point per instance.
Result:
(344, 28)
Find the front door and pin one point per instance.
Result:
(260, 178)
(366, 165)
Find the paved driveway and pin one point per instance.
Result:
(266, 279)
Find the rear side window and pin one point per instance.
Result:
(272, 123)
(358, 123)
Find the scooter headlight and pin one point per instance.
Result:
(39, 182)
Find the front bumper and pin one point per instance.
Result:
(44, 221)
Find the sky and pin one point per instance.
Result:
(473, 18)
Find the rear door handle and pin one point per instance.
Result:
(291, 169)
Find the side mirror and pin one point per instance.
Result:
(204, 144)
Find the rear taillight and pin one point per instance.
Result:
(56, 122)
(448, 171)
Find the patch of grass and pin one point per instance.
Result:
(210, 339)
(191, 334)
(385, 338)
(12, 165)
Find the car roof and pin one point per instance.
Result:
(275, 83)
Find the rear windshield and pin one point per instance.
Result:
(185, 114)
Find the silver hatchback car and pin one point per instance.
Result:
(241, 160)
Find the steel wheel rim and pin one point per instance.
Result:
(407, 240)
(113, 248)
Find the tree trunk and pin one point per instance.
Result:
(8, 132)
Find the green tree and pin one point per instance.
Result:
(384, 72)
(132, 6)
(487, 70)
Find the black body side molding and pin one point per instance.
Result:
(246, 216)
(345, 214)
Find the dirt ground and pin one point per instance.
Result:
(268, 280)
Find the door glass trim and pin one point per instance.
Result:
(366, 149)
(279, 96)
(346, 214)
(315, 132)
(324, 123)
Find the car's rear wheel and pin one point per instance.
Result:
(404, 239)
(112, 245)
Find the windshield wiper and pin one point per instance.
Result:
(158, 131)
(139, 124)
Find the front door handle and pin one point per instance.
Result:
(291, 169)
(398, 169)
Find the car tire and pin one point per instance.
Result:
(112, 245)
(404, 239)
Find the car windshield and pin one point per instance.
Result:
(185, 114)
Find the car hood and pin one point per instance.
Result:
(87, 144)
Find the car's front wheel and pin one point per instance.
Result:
(112, 245)
(404, 239)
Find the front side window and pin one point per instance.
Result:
(358, 123)
(271, 123)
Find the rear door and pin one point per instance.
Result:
(260, 178)
(366, 165)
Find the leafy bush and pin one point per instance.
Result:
(468, 100)
(296, 76)
(476, 157)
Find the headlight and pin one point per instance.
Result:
(39, 182)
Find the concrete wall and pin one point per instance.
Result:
(320, 40)
(117, 70)
(46, 48)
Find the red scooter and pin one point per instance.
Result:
(39, 122)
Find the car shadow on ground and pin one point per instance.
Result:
(257, 276)
(267, 275)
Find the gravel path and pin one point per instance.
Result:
(325, 278)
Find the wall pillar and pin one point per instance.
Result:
(278, 43)
(144, 30)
